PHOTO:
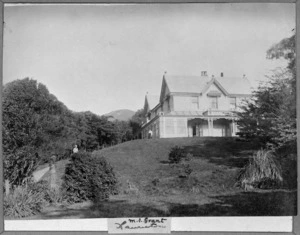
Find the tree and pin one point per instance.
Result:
(36, 125)
(122, 131)
(270, 115)
(136, 122)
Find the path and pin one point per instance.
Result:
(37, 175)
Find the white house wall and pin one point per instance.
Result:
(173, 127)
(184, 103)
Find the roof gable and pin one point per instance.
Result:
(164, 89)
(217, 84)
(187, 84)
(150, 102)
(235, 85)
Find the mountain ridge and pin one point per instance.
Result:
(120, 115)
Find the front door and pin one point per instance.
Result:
(194, 131)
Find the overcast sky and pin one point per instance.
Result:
(106, 57)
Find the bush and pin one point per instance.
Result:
(20, 164)
(262, 171)
(88, 178)
(176, 155)
(51, 196)
(23, 202)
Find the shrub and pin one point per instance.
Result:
(176, 155)
(20, 164)
(185, 170)
(51, 196)
(88, 178)
(23, 202)
(262, 171)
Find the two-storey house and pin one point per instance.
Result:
(195, 106)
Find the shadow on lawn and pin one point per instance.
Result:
(226, 152)
(107, 209)
(271, 203)
(280, 203)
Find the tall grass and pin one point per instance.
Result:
(23, 202)
(262, 171)
(30, 198)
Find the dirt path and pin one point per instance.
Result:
(37, 175)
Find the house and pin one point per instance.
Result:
(195, 106)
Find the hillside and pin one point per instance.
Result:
(142, 161)
(121, 115)
(209, 190)
(150, 186)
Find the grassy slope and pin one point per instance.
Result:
(214, 164)
(209, 191)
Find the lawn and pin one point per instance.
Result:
(150, 186)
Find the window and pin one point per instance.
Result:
(232, 103)
(195, 103)
(213, 102)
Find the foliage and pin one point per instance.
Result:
(286, 49)
(20, 164)
(176, 155)
(23, 202)
(185, 170)
(122, 131)
(36, 126)
(270, 115)
(136, 122)
(262, 171)
(50, 196)
(88, 178)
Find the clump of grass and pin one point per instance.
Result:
(23, 202)
(262, 171)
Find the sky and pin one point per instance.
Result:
(106, 57)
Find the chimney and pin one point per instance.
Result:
(204, 73)
(222, 74)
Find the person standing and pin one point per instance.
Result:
(75, 149)
(150, 134)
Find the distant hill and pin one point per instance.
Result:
(121, 115)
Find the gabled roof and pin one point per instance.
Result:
(235, 85)
(189, 84)
(151, 101)
(199, 84)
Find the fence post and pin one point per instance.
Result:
(7, 187)
(52, 173)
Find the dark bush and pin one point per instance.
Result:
(88, 178)
(20, 164)
(176, 155)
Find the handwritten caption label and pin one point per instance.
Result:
(139, 225)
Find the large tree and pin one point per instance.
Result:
(36, 125)
(270, 115)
